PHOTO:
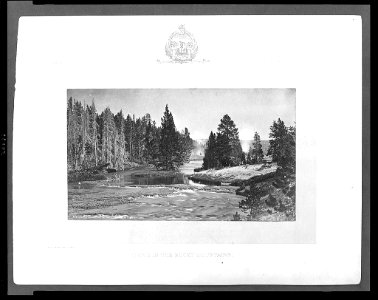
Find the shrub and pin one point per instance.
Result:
(252, 200)
(84, 176)
(271, 201)
(236, 217)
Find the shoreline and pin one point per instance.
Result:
(141, 170)
(236, 176)
(231, 176)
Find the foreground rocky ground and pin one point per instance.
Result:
(277, 201)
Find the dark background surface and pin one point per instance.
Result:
(15, 10)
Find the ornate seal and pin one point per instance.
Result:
(181, 46)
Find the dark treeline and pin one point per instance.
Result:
(94, 139)
(223, 148)
(282, 145)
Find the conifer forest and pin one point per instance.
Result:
(114, 139)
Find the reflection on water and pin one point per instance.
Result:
(188, 168)
(123, 179)
(181, 178)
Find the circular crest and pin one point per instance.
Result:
(181, 46)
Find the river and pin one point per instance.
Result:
(132, 197)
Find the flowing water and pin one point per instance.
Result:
(136, 197)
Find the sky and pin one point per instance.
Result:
(200, 110)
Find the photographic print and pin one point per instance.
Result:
(181, 154)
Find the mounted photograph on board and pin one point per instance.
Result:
(145, 145)
(181, 154)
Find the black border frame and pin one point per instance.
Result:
(26, 8)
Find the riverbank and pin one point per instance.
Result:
(79, 176)
(131, 169)
(235, 175)
(277, 201)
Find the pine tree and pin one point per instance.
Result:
(93, 128)
(230, 150)
(138, 139)
(223, 151)
(292, 147)
(256, 152)
(120, 144)
(168, 140)
(154, 151)
(100, 139)
(282, 145)
(86, 145)
(70, 135)
(69, 112)
(108, 136)
(129, 128)
(249, 157)
(77, 134)
(210, 158)
(148, 143)
(184, 148)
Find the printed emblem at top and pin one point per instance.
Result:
(181, 46)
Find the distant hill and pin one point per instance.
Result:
(264, 143)
(200, 144)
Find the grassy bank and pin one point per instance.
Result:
(235, 175)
